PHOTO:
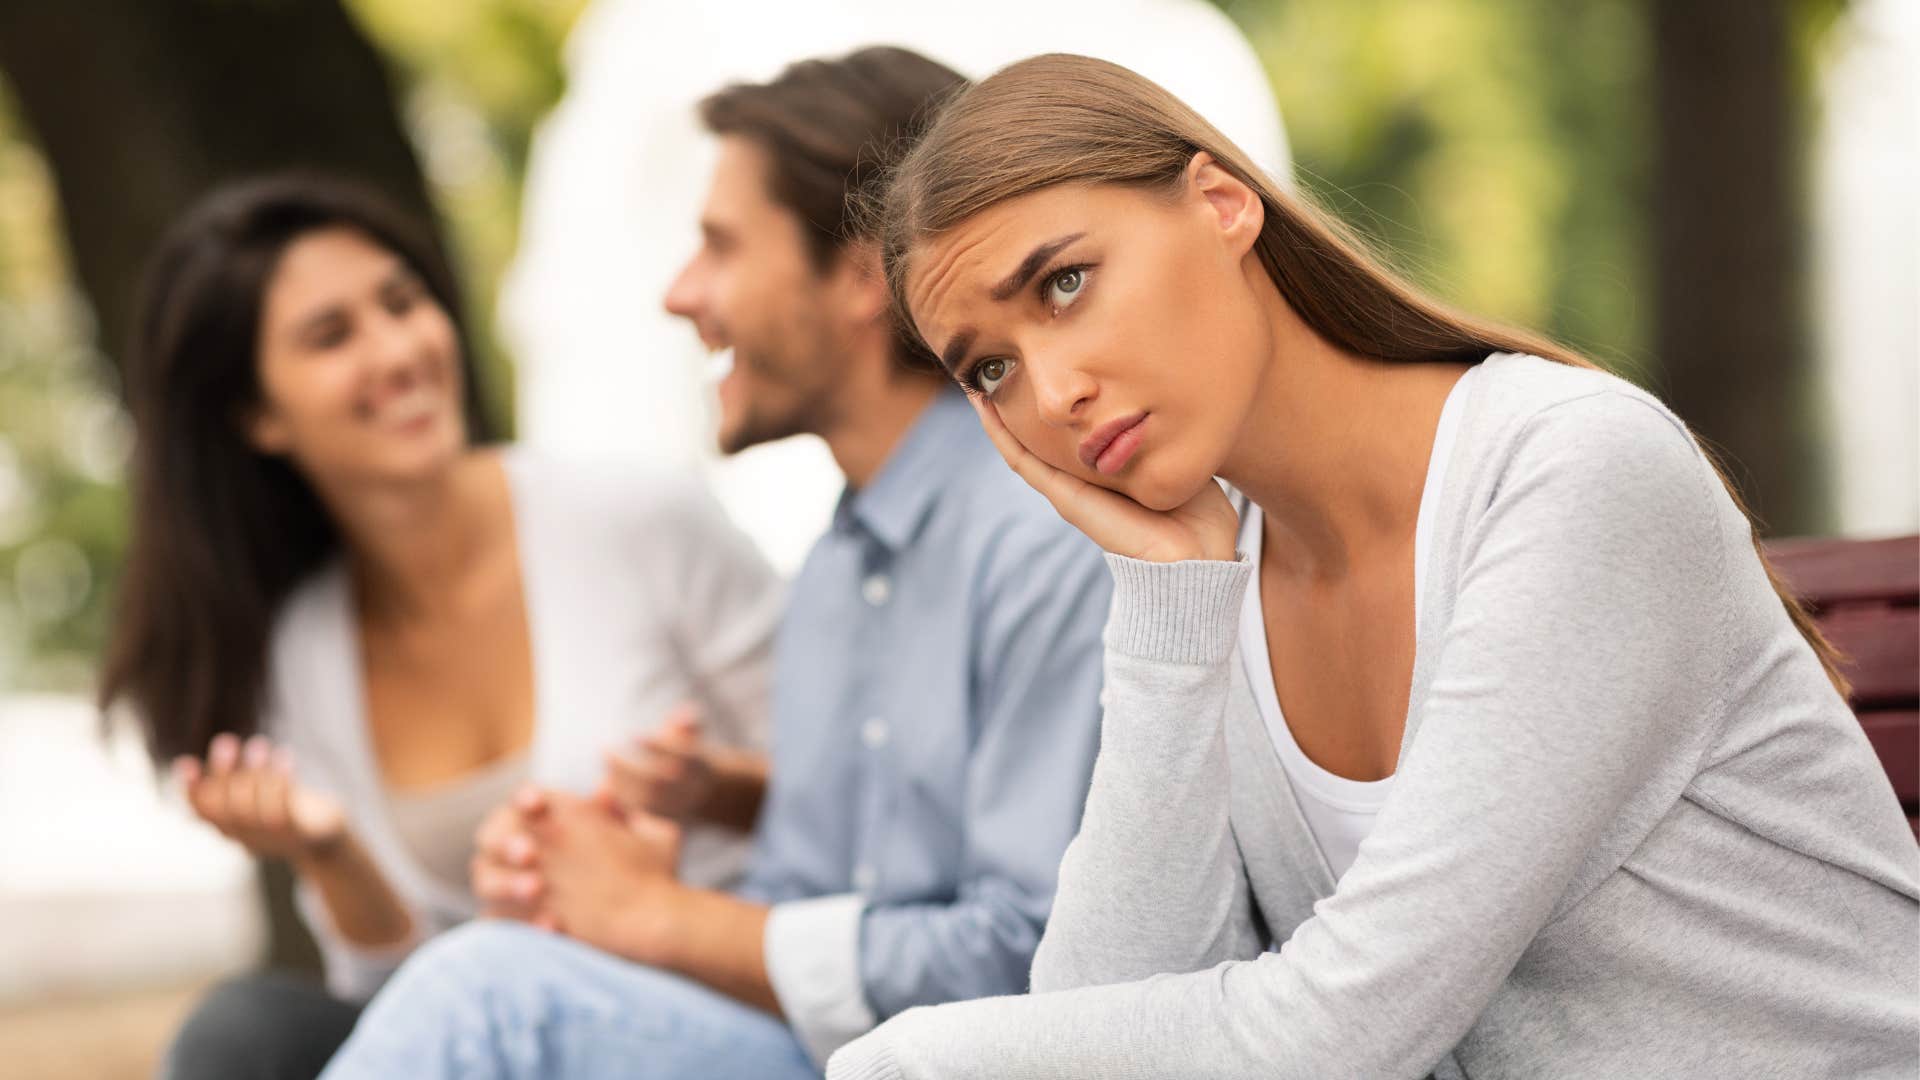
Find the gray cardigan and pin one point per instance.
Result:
(1634, 831)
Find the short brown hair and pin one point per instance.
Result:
(830, 126)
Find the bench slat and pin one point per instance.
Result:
(1831, 572)
(1882, 649)
(1895, 737)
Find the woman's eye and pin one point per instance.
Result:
(990, 374)
(1064, 287)
(328, 335)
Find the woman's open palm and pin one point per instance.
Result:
(248, 792)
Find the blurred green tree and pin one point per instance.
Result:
(114, 114)
(1622, 174)
(140, 106)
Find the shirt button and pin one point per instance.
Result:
(874, 733)
(864, 877)
(876, 588)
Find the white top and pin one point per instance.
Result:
(1339, 812)
(639, 593)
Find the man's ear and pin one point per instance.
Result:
(1233, 206)
(862, 283)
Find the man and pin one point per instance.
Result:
(934, 695)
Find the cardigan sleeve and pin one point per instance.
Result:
(1169, 658)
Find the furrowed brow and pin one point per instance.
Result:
(956, 350)
(1030, 266)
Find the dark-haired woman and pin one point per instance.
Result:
(1472, 739)
(353, 628)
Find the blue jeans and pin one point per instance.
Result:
(501, 999)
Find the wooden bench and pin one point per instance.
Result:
(1865, 594)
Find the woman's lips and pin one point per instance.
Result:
(1111, 445)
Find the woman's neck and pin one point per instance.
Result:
(412, 548)
(1335, 450)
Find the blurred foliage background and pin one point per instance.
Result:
(473, 78)
(1497, 148)
(1503, 149)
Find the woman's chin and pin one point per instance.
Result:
(1162, 500)
(1154, 492)
(422, 457)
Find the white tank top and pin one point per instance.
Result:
(438, 823)
(1339, 812)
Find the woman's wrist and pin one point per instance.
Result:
(360, 904)
(324, 854)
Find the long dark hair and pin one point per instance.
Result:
(223, 533)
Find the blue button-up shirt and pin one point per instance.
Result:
(935, 718)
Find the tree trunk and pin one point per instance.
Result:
(141, 106)
(1730, 325)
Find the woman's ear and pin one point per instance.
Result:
(1232, 205)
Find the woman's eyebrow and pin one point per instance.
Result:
(1030, 266)
(312, 324)
(956, 350)
(400, 273)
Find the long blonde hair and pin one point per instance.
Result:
(1062, 119)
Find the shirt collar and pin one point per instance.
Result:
(894, 504)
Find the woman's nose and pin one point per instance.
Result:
(399, 345)
(1062, 391)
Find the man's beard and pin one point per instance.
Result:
(801, 413)
(754, 430)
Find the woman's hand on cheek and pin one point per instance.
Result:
(1205, 527)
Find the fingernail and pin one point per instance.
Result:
(258, 752)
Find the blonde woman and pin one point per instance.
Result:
(1471, 737)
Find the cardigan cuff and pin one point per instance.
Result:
(1179, 612)
(869, 1058)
